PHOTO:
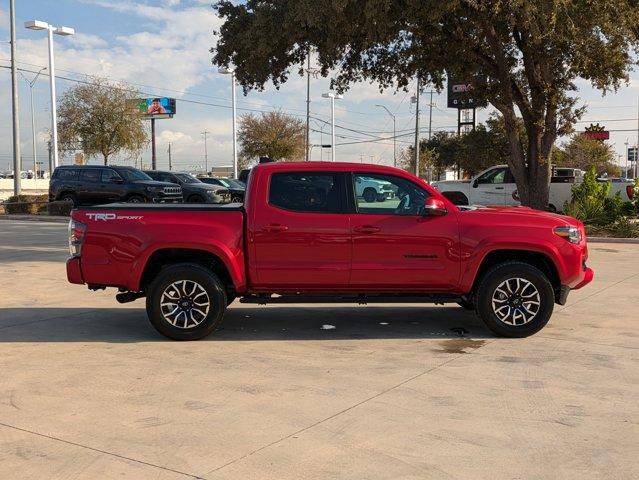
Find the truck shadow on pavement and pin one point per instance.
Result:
(123, 325)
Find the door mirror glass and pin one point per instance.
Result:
(434, 207)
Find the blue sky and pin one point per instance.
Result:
(161, 47)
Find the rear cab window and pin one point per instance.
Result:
(311, 192)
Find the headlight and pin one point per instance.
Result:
(572, 234)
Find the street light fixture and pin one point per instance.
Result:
(231, 71)
(332, 96)
(394, 134)
(65, 32)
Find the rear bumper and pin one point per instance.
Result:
(74, 271)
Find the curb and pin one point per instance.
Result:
(36, 218)
(631, 241)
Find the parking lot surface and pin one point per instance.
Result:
(88, 389)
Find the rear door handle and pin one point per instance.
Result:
(366, 229)
(275, 228)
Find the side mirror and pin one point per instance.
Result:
(475, 183)
(434, 207)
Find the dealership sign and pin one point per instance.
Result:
(596, 132)
(461, 95)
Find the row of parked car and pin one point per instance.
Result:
(94, 185)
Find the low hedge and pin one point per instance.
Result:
(60, 208)
(26, 204)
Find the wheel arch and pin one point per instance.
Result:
(537, 259)
(211, 260)
(456, 195)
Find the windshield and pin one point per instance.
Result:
(132, 175)
(187, 178)
(235, 183)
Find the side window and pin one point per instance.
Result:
(319, 192)
(90, 175)
(496, 175)
(387, 194)
(109, 175)
(66, 174)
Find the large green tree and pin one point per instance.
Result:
(101, 118)
(528, 53)
(583, 152)
(272, 134)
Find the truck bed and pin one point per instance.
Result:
(223, 207)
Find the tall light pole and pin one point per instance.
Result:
(417, 127)
(63, 31)
(17, 161)
(394, 135)
(332, 96)
(206, 151)
(31, 83)
(231, 72)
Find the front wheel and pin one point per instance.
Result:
(370, 195)
(136, 199)
(186, 302)
(515, 299)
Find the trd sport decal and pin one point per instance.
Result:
(112, 216)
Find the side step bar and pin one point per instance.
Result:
(362, 299)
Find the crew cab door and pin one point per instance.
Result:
(396, 248)
(111, 185)
(89, 190)
(301, 234)
(489, 188)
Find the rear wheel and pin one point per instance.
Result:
(186, 302)
(515, 299)
(370, 195)
(69, 197)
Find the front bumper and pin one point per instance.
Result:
(74, 271)
(168, 199)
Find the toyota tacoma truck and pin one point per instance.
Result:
(304, 235)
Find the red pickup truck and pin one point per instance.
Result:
(307, 233)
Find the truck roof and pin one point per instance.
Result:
(328, 166)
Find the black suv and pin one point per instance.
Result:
(193, 190)
(236, 188)
(95, 185)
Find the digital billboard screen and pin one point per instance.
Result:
(157, 106)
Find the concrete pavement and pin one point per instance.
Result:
(89, 390)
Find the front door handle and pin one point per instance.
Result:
(275, 228)
(366, 229)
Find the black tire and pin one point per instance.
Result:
(370, 195)
(466, 304)
(136, 199)
(69, 197)
(230, 298)
(512, 270)
(195, 199)
(192, 274)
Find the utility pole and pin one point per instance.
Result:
(417, 128)
(153, 157)
(31, 83)
(206, 151)
(308, 103)
(17, 164)
(170, 166)
(430, 116)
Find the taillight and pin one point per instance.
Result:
(77, 232)
(630, 191)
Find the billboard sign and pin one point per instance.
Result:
(157, 107)
(460, 95)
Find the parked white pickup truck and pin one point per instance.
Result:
(496, 186)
